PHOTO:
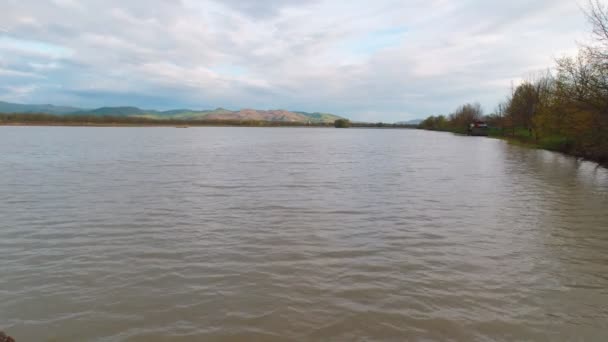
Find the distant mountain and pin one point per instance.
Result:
(183, 114)
(6, 107)
(410, 122)
(323, 117)
(114, 111)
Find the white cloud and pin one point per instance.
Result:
(18, 93)
(382, 60)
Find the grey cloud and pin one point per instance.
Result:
(263, 9)
(288, 54)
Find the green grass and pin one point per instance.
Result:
(495, 132)
(556, 143)
(521, 136)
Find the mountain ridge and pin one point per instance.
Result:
(247, 114)
(410, 122)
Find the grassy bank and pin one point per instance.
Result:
(524, 137)
(554, 143)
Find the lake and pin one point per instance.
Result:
(297, 234)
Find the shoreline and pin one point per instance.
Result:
(270, 124)
(520, 141)
(533, 145)
(176, 125)
(261, 124)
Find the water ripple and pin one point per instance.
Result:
(297, 235)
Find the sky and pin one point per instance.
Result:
(378, 60)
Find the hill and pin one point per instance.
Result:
(410, 122)
(6, 107)
(176, 114)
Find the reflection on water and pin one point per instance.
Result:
(154, 234)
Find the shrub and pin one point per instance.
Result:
(342, 123)
(557, 143)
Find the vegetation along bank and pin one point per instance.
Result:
(565, 109)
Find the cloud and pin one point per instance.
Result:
(384, 60)
(263, 9)
(16, 92)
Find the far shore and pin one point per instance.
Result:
(34, 119)
(518, 140)
(160, 124)
(235, 124)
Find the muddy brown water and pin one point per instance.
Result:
(302, 234)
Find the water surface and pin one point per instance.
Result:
(157, 234)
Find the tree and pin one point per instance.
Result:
(436, 123)
(465, 115)
(524, 105)
(598, 17)
(342, 123)
(582, 88)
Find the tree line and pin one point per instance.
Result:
(92, 120)
(565, 109)
(108, 120)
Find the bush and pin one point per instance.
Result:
(342, 123)
(556, 143)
